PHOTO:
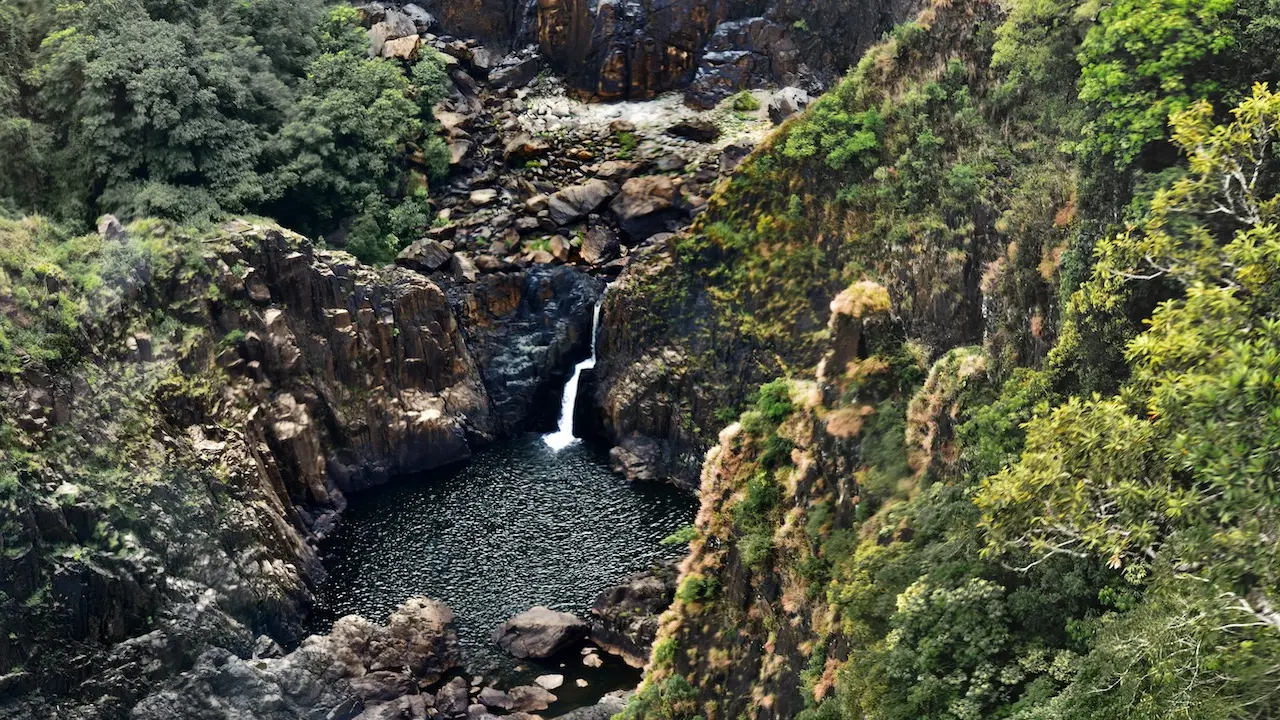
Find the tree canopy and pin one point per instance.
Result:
(193, 110)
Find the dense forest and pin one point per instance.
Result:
(981, 350)
(194, 111)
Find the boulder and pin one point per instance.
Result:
(559, 248)
(608, 706)
(394, 25)
(483, 60)
(539, 633)
(599, 244)
(463, 269)
(786, 103)
(371, 13)
(483, 196)
(646, 206)
(524, 147)
(637, 457)
(696, 129)
(515, 70)
(405, 48)
(576, 201)
(424, 256)
(536, 204)
(735, 153)
(549, 682)
(110, 229)
(671, 162)
(530, 698)
(458, 151)
(494, 698)
(357, 664)
(422, 19)
(616, 169)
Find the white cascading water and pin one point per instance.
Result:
(563, 436)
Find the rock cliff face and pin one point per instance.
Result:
(695, 326)
(639, 48)
(526, 330)
(164, 493)
(752, 628)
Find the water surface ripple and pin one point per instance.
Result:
(519, 525)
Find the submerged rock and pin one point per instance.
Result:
(539, 633)
(549, 682)
(530, 698)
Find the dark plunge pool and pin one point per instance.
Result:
(519, 525)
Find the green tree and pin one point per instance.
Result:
(153, 117)
(1144, 60)
(1181, 464)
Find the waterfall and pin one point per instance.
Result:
(563, 436)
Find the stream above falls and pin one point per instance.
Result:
(521, 524)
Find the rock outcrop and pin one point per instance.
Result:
(729, 586)
(539, 633)
(624, 618)
(358, 669)
(615, 51)
(526, 329)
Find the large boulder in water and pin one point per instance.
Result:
(539, 633)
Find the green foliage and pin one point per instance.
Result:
(698, 589)
(1100, 541)
(54, 285)
(745, 102)
(683, 536)
(774, 401)
(753, 518)
(627, 142)
(1180, 446)
(1144, 61)
(193, 112)
(673, 698)
(835, 135)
